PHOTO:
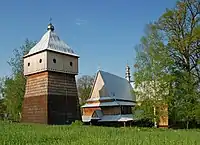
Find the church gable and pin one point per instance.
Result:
(97, 114)
(99, 88)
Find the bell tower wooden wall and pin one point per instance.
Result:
(50, 98)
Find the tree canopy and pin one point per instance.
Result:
(13, 87)
(167, 61)
(84, 85)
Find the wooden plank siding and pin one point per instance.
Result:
(50, 97)
(105, 110)
(111, 110)
(90, 111)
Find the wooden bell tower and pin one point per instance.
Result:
(51, 94)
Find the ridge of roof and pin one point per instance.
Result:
(114, 75)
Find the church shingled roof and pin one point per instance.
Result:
(116, 87)
(51, 41)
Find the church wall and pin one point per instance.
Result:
(50, 97)
(62, 63)
(70, 64)
(90, 111)
(99, 88)
(61, 84)
(106, 110)
(35, 63)
(35, 109)
(111, 110)
(36, 84)
(64, 85)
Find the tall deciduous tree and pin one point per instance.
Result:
(14, 86)
(181, 27)
(173, 60)
(1, 87)
(152, 77)
(2, 109)
(84, 84)
(2, 105)
(16, 62)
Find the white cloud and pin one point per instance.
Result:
(78, 23)
(81, 22)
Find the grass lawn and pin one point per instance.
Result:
(23, 134)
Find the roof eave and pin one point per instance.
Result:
(70, 54)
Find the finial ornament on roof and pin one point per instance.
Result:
(50, 26)
(50, 19)
(128, 75)
(99, 67)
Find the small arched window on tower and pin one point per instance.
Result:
(29, 64)
(71, 64)
(40, 61)
(54, 60)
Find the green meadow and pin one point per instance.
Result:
(34, 134)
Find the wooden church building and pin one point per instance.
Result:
(51, 94)
(111, 100)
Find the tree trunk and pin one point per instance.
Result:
(124, 124)
(155, 122)
(187, 124)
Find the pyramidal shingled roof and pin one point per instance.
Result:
(51, 41)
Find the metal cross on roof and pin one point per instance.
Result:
(50, 19)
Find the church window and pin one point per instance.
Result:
(40, 61)
(126, 110)
(29, 64)
(71, 63)
(54, 60)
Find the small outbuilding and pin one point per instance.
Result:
(111, 100)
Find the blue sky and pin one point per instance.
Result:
(102, 32)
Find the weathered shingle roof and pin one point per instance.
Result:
(117, 87)
(51, 41)
(109, 86)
